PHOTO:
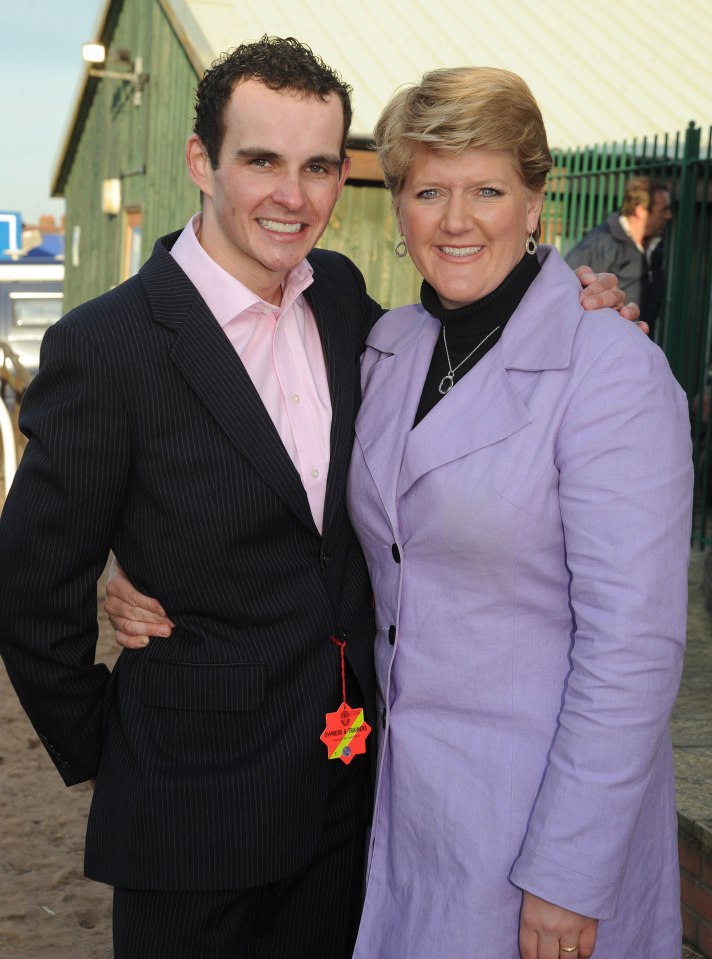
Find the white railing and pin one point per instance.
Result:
(14, 378)
(9, 453)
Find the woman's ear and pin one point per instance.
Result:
(396, 210)
(534, 206)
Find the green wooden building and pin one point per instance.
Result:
(121, 166)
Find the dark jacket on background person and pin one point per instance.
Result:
(608, 248)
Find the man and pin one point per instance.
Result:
(198, 421)
(629, 244)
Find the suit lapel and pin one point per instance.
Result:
(342, 372)
(213, 370)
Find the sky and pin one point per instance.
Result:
(41, 69)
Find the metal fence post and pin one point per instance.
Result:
(587, 184)
(677, 343)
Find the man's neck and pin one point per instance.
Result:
(637, 229)
(634, 228)
(265, 284)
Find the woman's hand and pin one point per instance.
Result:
(601, 289)
(135, 617)
(547, 931)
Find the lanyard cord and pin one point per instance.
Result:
(342, 645)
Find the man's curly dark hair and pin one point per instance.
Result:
(281, 63)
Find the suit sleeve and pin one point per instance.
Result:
(625, 472)
(55, 535)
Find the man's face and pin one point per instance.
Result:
(659, 214)
(278, 178)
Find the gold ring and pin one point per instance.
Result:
(568, 948)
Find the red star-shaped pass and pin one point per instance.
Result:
(345, 733)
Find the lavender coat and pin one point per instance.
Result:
(538, 589)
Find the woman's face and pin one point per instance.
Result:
(465, 219)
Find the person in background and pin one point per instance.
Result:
(629, 243)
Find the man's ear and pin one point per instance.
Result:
(199, 166)
(345, 170)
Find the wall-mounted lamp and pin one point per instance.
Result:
(96, 53)
(93, 52)
(111, 196)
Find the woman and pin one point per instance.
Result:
(521, 487)
(525, 513)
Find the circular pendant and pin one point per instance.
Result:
(446, 384)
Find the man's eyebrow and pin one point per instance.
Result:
(256, 152)
(328, 159)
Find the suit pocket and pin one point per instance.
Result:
(188, 672)
(228, 688)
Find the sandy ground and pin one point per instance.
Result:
(48, 910)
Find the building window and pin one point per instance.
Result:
(132, 244)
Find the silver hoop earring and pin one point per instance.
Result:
(400, 249)
(531, 245)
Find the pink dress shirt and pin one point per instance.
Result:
(281, 350)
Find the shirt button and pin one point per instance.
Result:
(396, 553)
(392, 635)
(315, 473)
(295, 397)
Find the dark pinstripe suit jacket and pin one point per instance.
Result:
(146, 436)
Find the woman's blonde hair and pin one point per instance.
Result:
(453, 109)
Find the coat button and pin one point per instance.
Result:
(325, 558)
(396, 553)
(391, 635)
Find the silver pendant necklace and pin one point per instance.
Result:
(448, 381)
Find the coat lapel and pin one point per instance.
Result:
(483, 408)
(397, 357)
(211, 367)
(480, 410)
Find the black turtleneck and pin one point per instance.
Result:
(467, 326)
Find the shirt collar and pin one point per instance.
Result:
(651, 244)
(225, 295)
(625, 223)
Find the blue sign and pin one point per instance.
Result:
(10, 236)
